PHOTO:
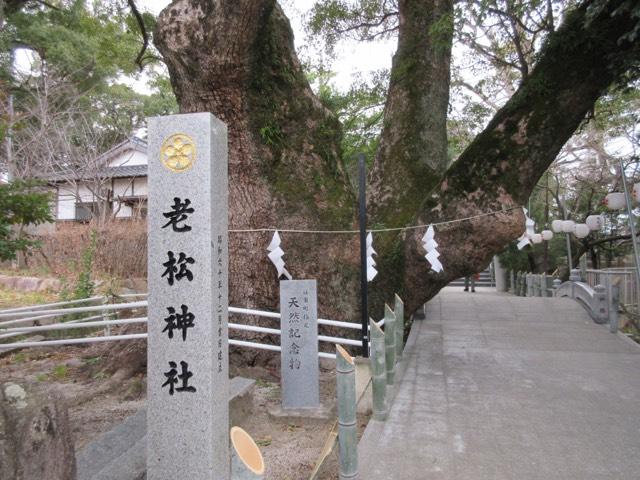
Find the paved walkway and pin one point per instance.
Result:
(499, 387)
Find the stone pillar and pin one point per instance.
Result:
(600, 307)
(188, 377)
(299, 368)
(501, 275)
(575, 275)
(613, 308)
(583, 267)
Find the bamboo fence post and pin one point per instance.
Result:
(347, 424)
(390, 343)
(378, 372)
(246, 460)
(399, 312)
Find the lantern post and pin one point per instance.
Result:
(632, 226)
(362, 203)
(569, 256)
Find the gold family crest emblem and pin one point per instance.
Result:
(178, 152)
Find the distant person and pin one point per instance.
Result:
(470, 279)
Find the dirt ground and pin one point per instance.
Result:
(98, 402)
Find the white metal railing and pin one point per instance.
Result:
(38, 313)
(626, 280)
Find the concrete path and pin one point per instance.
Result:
(499, 387)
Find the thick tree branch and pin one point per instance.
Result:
(143, 32)
(586, 55)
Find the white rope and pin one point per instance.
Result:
(393, 229)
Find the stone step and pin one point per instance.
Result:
(121, 453)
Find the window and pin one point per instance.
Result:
(85, 211)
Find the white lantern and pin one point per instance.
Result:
(595, 222)
(568, 226)
(615, 201)
(556, 226)
(546, 235)
(536, 238)
(635, 193)
(581, 230)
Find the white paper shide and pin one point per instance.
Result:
(371, 263)
(275, 255)
(430, 245)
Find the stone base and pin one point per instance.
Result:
(121, 453)
(319, 414)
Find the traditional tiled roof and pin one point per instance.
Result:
(121, 171)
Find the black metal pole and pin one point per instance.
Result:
(363, 254)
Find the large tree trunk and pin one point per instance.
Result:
(235, 58)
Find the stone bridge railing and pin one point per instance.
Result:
(602, 307)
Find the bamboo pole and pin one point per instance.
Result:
(246, 460)
(390, 343)
(347, 424)
(378, 372)
(399, 312)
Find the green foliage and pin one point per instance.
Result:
(20, 358)
(271, 135)
(91, 361)
(87, 49)
(21, 204)
(513, 259)
(60, 372)
(88, 43)
(84, 285)
(360, 110)
(359, 19)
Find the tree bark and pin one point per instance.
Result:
(235, 58)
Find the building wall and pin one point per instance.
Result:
(67, 196)
(66, 205)
(127, 187)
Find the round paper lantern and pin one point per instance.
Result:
(635, 193)
(615, 201)
(595, 222)
(536, 238)
(546, 235)
(556, 226)
(568, 226)
(581, 230)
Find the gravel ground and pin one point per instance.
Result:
(97, 403)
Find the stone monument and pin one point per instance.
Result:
(187, 419)
(299, 344)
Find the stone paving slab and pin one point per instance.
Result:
(499, 387)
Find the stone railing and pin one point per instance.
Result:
(601, 302)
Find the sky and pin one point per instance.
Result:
(353, 58)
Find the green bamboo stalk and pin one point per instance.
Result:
(390, 343)
(378, 372)
(347, 424)
(399, 311)
(246, 460)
